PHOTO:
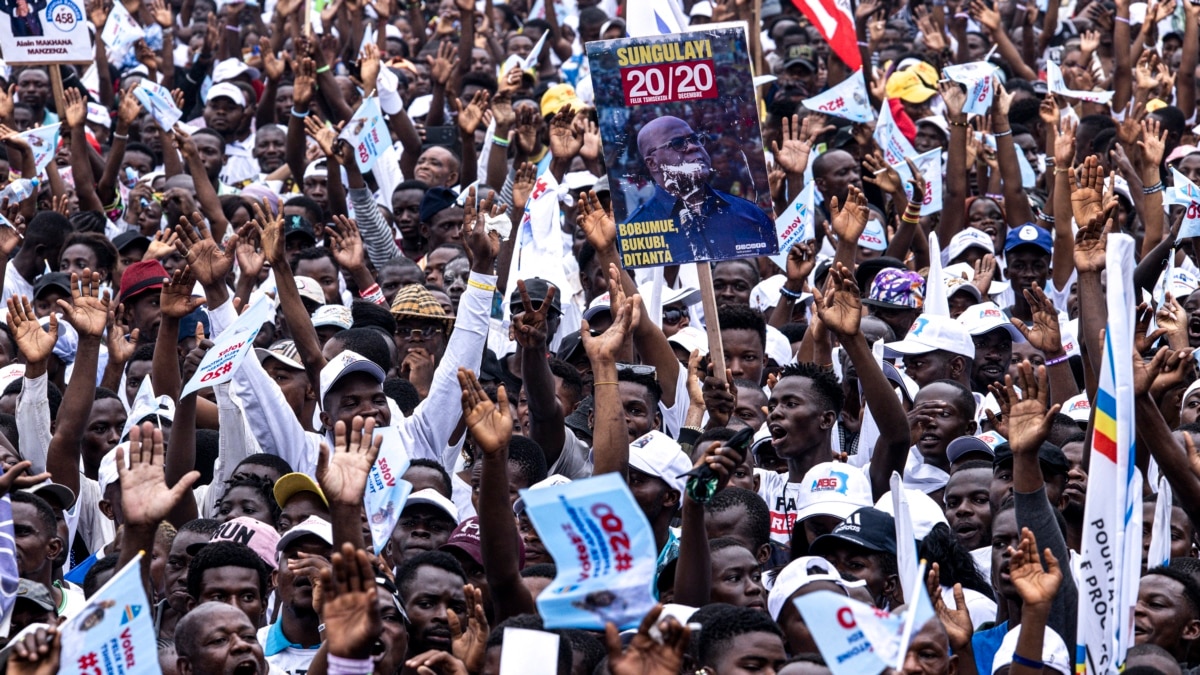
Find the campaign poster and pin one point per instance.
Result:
(114, 633)
(682, 145)
(44, 31)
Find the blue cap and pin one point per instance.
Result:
(1029, 234)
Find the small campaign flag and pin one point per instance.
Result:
(854, 637)
(159, 103)
(795, 224)
(44, 143)
(906, 542)
(979, 80)
(1160, 536)
(1185, 193)
(1057, 85)
(654, 17)
(114, 633)
(847, 99)
(894, 145)
(386, 491)
(930, 166)
(936, 300)
(231, 346)
(121, 30)
(367, 132)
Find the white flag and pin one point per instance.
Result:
(367, 132)
(654, 17)
(794, 225)
(906, 542)
(44, 142)
(930, 166)
(231, 346)
(159, 103)
(1056, 85)
(1187, 194)
(936, 301)
(894, 145)
(1160, 536)
(979, 80)
(848, 99)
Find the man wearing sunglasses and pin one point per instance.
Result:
(695, 221)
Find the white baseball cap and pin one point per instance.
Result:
(227, 70)
(687, 295)
(800, 573)
(832, 489)
(333, 315)
(965, 239)
(344, 364)
(309, 288)
(659, 455)
(227, 90)
(987, 317)
(873, 237)
(98, 114)
(600, 303)
(691, 338)
(930, 333)
(924, 512)
(548, 481)
(431, 497)
(1182, 283)
(1078, 408)
(310, 526)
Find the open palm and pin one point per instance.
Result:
(490, 425)
(343, 473)
(145, 497)
(35, 344)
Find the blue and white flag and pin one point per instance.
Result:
(386, 491)
(1160, 535)
(1109, 566)
(795, 224)
(852, 636)
(603, 548)
(1057, 85)
(847, 99)
(159, 104)
(367, 132)
(654, 17)
(44, 143)
(930, 166)
(231, 347)
(10, 575)
(979, 79)
(1185, 193)
(121, 30)
(894, 145)
(114, 633)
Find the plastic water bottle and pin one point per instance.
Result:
(19, 190)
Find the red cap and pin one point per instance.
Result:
(141, 276)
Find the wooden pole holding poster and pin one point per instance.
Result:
(56, 86)
(716, 352)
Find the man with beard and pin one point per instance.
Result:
(291, 642)
(218, 638)
(993, 336)
(430, 584)
(700, 223)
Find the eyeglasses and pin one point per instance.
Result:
(681, 143)
(673, 316)
(637, 369)
(410, 333)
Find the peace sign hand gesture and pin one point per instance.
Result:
(529, 327)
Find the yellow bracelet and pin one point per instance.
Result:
(596, 384)
(481, 286)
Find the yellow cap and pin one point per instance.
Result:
(558, 96)
(906, 85)
(927, 73)
(289, 485)
(1154, 104)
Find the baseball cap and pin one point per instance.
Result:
(465, 538)
(58, 496)
(602, 185)
(832, 489)
(98, 114)
(570, 344)
(1182, 283)
(228, 69)
(291, 484)
(657, 454)
(931, 333)
(140, 277)
(800, 55)
(960, 285)
(310, 290)
(867, 527)
(966, 239)
(187, 325)
(1050, 456)
(922, 510)
(36, 593)
(599, 304)
(685, 294)
(898, 288)
(1180, 152)
(312, 526)
(57, 280)
(1055, 655)
(985, 442)
(558, 96)
(538, 289)
(938, 122)
(332, 315)
(1029, 235)
(431, 497)
(344, 364)
(129, 238)
(107, 474)
(283, 351)
(259, 536)
(866, 272)
(987, 317)
(298, 224)
(436, 200)
(907, 86)
(226, 90)
(1079, 408)
(798, 574)
(873, 237)
(690, 338)
(548, 481)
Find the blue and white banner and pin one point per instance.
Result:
(367, 132)
(847, 99)
(114, 633)
(159, 104)
(1057, 85)
(1185, 193)
(386, 491)
(930, 166)
(603, 548)
(231, 346)
(795, 224)
(44, 143)
(979, 79)
(894, 145)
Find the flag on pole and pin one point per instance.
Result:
(906, 540)
(936, 301)
(847, 99)
(1111, 518)
(795, 224)
(894, 145)
(654, 17)
(834, 20)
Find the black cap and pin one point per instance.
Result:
(1050, 456)
(867, 527)
(436, 200)
(800, 55)
(869, 268)
(537, 289)
(59, 280)
(129, 238)
(297, 224)
(489, 368)
(570, 345)
(577, 421)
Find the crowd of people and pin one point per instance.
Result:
(398, 307)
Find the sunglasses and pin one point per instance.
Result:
(673, 316)
(681, 143)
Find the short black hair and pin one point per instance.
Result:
(758, 516)
(105, 393)
(965, 399)
(540, 571)
(584, 645)
(411, 184)
(483, 80)
(314, 253)
(93, 580)
(741, 261)
(53, 394)
(439, 559)
(264, 487)
(367, 343)
(45, 512)
(273, 462)
(142, 148)
(441, 471)
(727, 623)
(532, 622)
(794, 332)
(205, 131)
(529, 458)
(571, 381)
(226, 554)
(720, 434)
(648, 381)
(825, 383)
(1191, 587)
(208, 449)
(207, 526)
(367, 314)
(143, 352)
(403, 392)
(305, 202)
(741, 317)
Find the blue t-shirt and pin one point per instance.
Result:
(986, 643)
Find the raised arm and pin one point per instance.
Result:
(954, 204)
(343, 473)
(298, 319)
(610, 436)
(128, 112)
(206, 195)
(175, 302)
(545, 413)
(1016, 205)
(81, 166)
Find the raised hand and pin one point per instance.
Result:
(76, 108)
(120, 347)
(146, 500)
(565, 139)
(490, 424)
(1064, 144)
(36, 653)
(342, 474)
(208, 261)
(840, 307)
(1036, 585)
(605, 347)
(793, 155)
(954, 95)
(1029, 420)
(646, 655)
(1045, 334)
(986, 17)
(599, 227)
(304, 84)
(469, 644)
(523, 184)
(87, 311)
(1152, 143)
(325, 135)
(443, 65)
(368, 67)
(346, 243)
(270, 233)
(957, 621)
(529, 327)
(849, 220)
(348, 604)
(880, 174)
(800, 263)
(11, 237)
(250, 257)
(482, 242)
(129, 109)
(471, 115)
(273, 66)
(176, 299)
(1087, 199)
(592, 147)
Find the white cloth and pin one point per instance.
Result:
(15, 284)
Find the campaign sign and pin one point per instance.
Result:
(603, 548)
(795, 225)
(44, 143)
(367, 133)
(158, 102)
(386, 491)
(231, 346)
(44, 31)
(679, 121)
(114, 633)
